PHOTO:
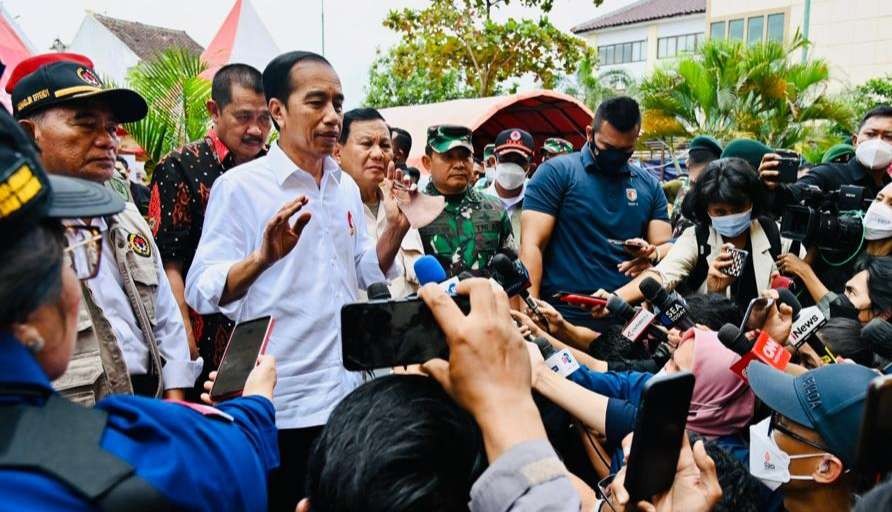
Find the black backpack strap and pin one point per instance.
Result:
(773, 234)
(62, 439)
(692, 283)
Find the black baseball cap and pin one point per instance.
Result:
(515, 140)
(56, 78)
(28, 195)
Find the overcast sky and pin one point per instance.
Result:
(352, 27)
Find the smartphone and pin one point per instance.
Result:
(661, 420)
(756, 314)
(247, 342)
(874, 454)
(387, 333)
(634, 246)
(581, 301)
(780, 281)
(788, 166)
(738, 260)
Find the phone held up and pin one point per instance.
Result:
(247, 342)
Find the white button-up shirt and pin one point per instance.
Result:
(304, 291)
(108, 292)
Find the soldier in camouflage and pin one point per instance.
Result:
(473, 226)
(555, 146)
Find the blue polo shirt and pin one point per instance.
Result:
(590, 207)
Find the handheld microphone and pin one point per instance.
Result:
(787, 297)
(515, 279)
(764, 349)
(637, 320)
(429, 270)
(673, 310)
(378, 291)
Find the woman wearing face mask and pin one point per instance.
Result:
(868, 293)
(726, 204)
(877, 223)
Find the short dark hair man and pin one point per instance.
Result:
(577, 205)
(474, 226)
(807, 446)
(254, 260)
(514, 156)
(181, 185)
(402, 146)
(59, 99)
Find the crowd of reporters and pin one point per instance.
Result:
(586, 290)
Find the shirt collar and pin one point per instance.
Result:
(18, 366)
(282, 166)
(220, 149)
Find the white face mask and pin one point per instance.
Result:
(878, 221)
(874, 154)
(768, 462)
(510, 176)
(488, 173)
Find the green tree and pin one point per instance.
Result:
(729, 89)
(387, 89)
(176, 94)
(460, 36)
(874, 92)
(592, 87)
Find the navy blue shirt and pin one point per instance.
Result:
(197, 463)
(590, 207)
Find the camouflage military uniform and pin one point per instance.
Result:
(469, 231)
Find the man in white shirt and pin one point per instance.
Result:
(253, 261)
(365, 152)
(513, 152)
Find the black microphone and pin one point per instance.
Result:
(634, 326)
(673, 310)
(786, 296)
(734, 339)
(515, 279)
(620, 308)
(544, 347)
(378, 291)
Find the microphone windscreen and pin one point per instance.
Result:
(620, 308)
(544, 347)
(378, 291)
(503, 265)
(731, 337)
(786, 296)
(429, 270)
(650, 288)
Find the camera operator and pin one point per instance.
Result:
(877, 224)
(873, 155)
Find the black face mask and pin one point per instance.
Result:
(843, 307)
(610, 161)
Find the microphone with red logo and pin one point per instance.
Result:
(764, 349)
(638, 321)
(514, 277)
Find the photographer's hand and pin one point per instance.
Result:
(488, 372)
(768, 170)
(716, 280)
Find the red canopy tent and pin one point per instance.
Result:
(542, 113)
(14, 48)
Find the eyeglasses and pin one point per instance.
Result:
(774, 424)
(84, 250)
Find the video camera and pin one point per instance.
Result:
(823, 219)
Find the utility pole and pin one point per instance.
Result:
(322, 9)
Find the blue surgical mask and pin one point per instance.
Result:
(730, 226)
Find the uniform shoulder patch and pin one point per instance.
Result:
(139, 244)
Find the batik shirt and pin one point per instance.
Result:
(471, 229)
(181, 185)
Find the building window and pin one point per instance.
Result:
(735, 30)
(622, 53)
(775, 30)
(717, 30)
(671, 46)
(755, 29)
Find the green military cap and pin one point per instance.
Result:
(488, 150)
(838, 153)
(706, 143)
(557, 146)
(750, 150)
(443, 137)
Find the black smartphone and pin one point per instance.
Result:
(383, 334)
(756, 314)
(874, 455)
(247, 342)
(662, 416)
(788, 166)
